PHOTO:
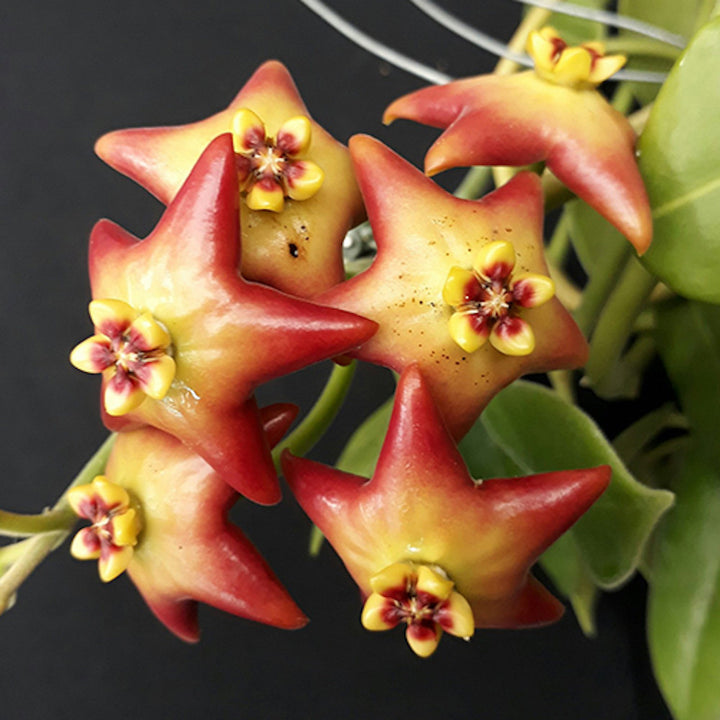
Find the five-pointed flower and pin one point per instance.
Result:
(298, 250)
(422, 531)
(186, 551)
(487, 298)
(423, 234)
(551, 114)
(227, 335)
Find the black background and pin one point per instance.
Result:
(73, 647)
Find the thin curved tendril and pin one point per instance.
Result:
(610, 18)
(474, 36)
(481, 40)
(374, 46)
(471, 34)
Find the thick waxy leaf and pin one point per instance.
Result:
(683, 608)
(563, 560)
(688, 337)
(684, 613)
(680, 161)
(542, 432)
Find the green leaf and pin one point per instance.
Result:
(688, 338)
(541, 432)
(631, 441)
(681, 18)
(684, 597)
(680, 162)
(565, 564)
(361, 453)
(563, 561)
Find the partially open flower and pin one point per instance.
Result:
(282, 157)
(429, 546)
(487, 298)
(226, 335)
(430, 309)
(114, 530)
(270, 168)
(132, 350)
(552, 114)
(584, 65)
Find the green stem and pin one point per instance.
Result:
(559, 243)
(475, 181)
(645, 47)
(19, 525)
(616, 321)
(317, 421)
(600, 285)
(37, 548)
(561, 381)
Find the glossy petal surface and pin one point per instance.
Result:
(422, 232)
(522, 119)
(299, 250)
(188, 551)
(422, 506)
(228, 335)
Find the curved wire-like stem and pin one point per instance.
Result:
(375, 47)
(610, 18)
(471, 34)
(486, 42)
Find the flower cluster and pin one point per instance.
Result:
(187, 325)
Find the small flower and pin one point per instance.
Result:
(584, 65)
(487, 298)
(422, 597)
(429, 546)
(114, 530)
(552, 114)
(132, 350)
(270, 169)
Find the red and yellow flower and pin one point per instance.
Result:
(182, 340)
(160, 512)
(553, 115)
(423, 295)
(429, 546)
(299, 192)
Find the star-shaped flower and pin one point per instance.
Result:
(423, 234)
(185, 550)
(224, 335)
(298, 250)
(422, 530)
(551, 114)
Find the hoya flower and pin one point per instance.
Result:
(551, 114)
(160, 513)
(175, 300)
(299, 195)
(430, 548)
(426, 288)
